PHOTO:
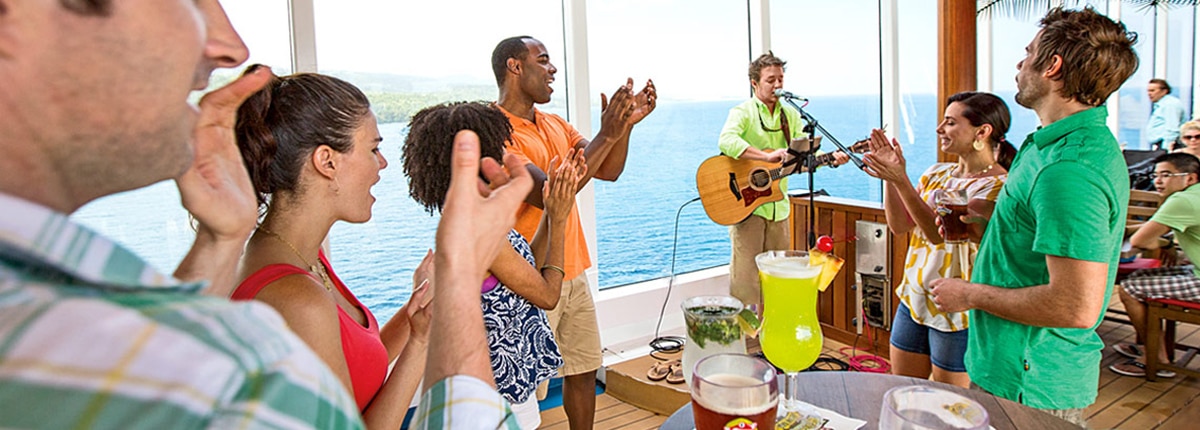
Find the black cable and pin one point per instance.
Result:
(670, 343)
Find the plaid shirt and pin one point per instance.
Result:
(92, 337)
(463, 402)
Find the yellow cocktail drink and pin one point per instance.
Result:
(791, 334)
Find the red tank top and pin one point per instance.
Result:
(366, 357)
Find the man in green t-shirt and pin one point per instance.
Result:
(1175, 176)
(1048, 258)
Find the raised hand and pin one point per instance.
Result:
(476, 217)
(423, 277)
(644, 102)
(558, 192)
(216, 189)
(886, 159)
(418, 311)
(616, 112)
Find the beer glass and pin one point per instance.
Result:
(919, 407)
(712, 328)
(734, 391)
(951, 207)
(791, 334)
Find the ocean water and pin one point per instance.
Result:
(635, 215)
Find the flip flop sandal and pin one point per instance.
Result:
(1138, 370)
(1128, 349)
(676, 376)
(664, 355)
(660, 370)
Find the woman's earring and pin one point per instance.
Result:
(978, 145)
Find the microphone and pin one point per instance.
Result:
(785, 94)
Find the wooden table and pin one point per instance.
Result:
(860, 395)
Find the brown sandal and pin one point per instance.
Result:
(676, 376)
(660, 370)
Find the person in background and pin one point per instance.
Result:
(1189, 136)
(973, 130)
(761, 128)
(311, 146)
(476, 216)
(1055, 234)
(1175, 176)
(1166, 115)
(524, 73)
(94, 336)
(523, 280)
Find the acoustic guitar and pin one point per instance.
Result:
(731, 189)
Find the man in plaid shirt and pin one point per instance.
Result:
(1175, 176)
(93, 103)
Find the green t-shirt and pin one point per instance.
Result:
(744, 128)
(1181, 212)
(1066, 196)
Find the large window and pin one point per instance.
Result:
(698, 61)
(151, 221)
(918, 86)
(1181, 35)
(406, 56)
(1135, 104)
(842, 79)
(1010, 36)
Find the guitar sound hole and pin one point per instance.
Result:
(760, 179)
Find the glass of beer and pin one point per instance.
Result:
(920, 407)
(734, 391)
(951, 207)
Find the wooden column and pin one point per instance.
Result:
(956, 53)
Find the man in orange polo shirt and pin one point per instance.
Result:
(524, 74)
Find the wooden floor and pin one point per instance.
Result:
(1122, 403)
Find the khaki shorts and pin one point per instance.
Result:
(748, 239)
(575, 330)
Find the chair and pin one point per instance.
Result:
(1170, 311)
(1142, 205)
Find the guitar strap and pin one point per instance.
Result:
(787, 139)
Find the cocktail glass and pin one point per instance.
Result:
(920, 407)
(712, 328)
(734, 391)
(791, 335)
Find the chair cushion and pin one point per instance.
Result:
(1173, 302)
(1138, 264)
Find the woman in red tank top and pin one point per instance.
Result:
(311, 146)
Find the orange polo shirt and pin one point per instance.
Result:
(538, 143)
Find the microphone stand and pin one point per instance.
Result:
(808, 157)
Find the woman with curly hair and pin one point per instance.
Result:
(525, 279)
(311, 146)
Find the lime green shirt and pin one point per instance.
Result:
(1066, 195)
(744, 128)
(1181, 213)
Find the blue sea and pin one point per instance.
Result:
(635, 215)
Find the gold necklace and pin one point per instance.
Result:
(962, 171)
(316, 269)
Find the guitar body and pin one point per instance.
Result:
(731, 189)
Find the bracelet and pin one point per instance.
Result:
(555, 268)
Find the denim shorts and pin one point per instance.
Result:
(945, 349)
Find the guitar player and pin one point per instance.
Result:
(761, 128)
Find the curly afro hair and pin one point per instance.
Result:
(430, 143)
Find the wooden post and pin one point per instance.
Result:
(956, 54)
